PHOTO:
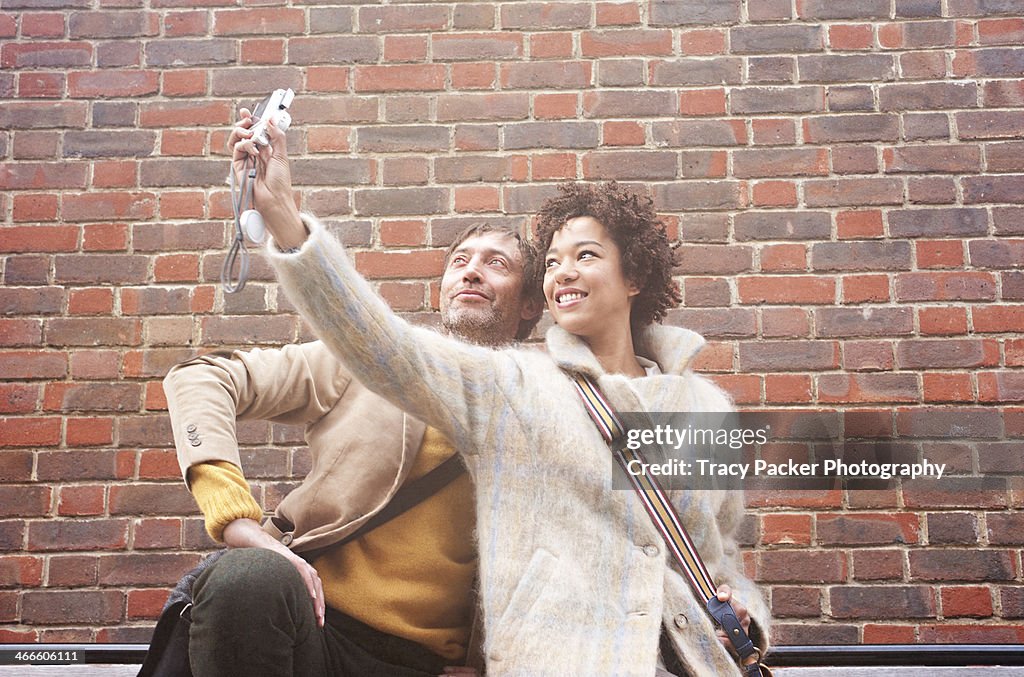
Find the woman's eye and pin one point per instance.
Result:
(587, 255)
(549, 263)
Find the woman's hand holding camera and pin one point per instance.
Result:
(272, 182)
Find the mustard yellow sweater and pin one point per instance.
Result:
(411, 577)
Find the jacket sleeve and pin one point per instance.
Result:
(206, 395)
(442, 381)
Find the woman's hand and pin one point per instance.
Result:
(725, 595)
(272, 183)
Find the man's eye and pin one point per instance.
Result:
(498, 262)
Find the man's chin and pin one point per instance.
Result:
(483, 326)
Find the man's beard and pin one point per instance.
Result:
(485, 328)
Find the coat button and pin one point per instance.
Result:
(680, 620)
(190, 428)
(287, 539)
(196, 443)
(651, 550)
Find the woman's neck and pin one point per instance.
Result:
(615, 352)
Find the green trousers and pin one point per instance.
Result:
(252, 616)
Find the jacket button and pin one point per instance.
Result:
(287, 539)
(190, 428)
(196, 443)
(651, 550)
(680, 620)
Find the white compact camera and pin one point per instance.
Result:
(274, 107)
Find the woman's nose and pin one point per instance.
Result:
(565, 270)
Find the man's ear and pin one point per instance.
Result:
(532, 308)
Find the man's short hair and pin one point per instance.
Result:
(530, 289)
(648, 258)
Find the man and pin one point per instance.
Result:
(396, 601)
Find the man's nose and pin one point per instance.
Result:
(471, 271)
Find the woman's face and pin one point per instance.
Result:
(584, 285)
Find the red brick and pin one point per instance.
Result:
(742, 388)
(698, 102)
(702, 42)
(17, 398)
(21, 572)
(405, 48)
(1014, 349)
(877, 633)
(850, 36)
(400, 264)
(1004, 386)
(555, 106)
(256, 21)
(554, 166)
(112, 83)
(939, 253)
(114, 173)
(35, 207)
(551, 46)
(800, 566)
(62, 607)
(966, 601)
(786, 289)
(786, 529)
(30, 431)
(623, 133)
(942, 321)
(787, 388)
(883, 602)
(865, 289)
(973, 633)
(626, 42)
(953, 286)
(90, 432)
(617, 13)
(104, 237)
(184, 82)
(81, 500)
(38, 239)
(482, 47)
(477, 199)
(474, 75)
(403, 296)
(878, 565)
(779, 258)
(774, 194)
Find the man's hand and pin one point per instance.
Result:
(725, 595)
(272, 184)
(247, 533)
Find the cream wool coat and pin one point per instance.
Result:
(575, 580)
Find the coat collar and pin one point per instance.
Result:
(671, 347)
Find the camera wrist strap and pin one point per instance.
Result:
(665, 519)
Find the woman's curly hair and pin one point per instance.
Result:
(647, 256)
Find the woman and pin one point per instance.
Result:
(574, 578)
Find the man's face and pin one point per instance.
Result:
(481, 290)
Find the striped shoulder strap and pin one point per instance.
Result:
(666, 520)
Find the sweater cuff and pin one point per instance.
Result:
(223, 496)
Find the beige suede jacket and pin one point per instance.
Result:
(362, 446)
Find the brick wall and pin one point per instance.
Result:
(847, 180)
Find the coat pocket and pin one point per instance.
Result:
(528, 594)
